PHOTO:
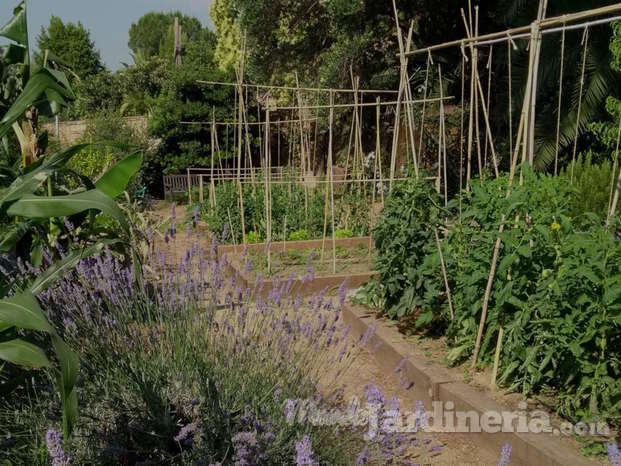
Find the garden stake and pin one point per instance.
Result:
(378, 149)
(461, 131)
(408, 100)
(444, 274)
(325, 217)
(267, 195)
(489, 90)
(422, 118)
(200, 188)
(232, 231)
(614, 198)
(189, 186)
(488, 129)
(497, 357)
(239, 152)
(331, 121)
(560, 104)
(535, 45)
(585, 40)
(496, 252)
(475, 61)
(510, 45)
(470, 113)
(284, 241)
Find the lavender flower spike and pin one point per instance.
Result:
(505, 455)
(304, 452)
(614, 455)
(54, 443)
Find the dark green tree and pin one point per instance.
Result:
(183, 99)
(69, 45)
(152, 34)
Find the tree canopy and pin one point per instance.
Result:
(69, 45)
(152, 35)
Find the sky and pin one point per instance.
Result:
(108, 20)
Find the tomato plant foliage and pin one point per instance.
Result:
(556, 291)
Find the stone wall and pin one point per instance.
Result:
(70, 132)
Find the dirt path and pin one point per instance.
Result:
(458, 449)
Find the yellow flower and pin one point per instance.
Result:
(555, 226)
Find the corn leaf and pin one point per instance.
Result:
(22, 353)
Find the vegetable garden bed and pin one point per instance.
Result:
(290, 262)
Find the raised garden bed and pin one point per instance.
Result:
(353, 264)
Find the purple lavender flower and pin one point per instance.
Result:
(68, 224)
(277, 394)
(420, 415)
(185, 432)
(245, 447)
(291, 407)
(342, 293)
(614, 456)
(374, 395)
(304, 452)
(505, 455)
(54, 443)
(363, 457)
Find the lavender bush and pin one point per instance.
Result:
(187, 366)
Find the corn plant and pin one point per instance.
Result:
(32, 211)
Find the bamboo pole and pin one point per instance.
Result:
(232, 230)
(497, 357)
(372, 210)
(444, 274)
(560, 104)
(366, 104)
(200, 189)
(189, 186)
(326, 209)
(476, 98)
(305, 89)
(422, 118)
(514, 32)
(213, 152)
(378, 149)
(585, 41)
(489, 91)
(473, 66)
(444, 158)
(330, 164)
(251, 123)
(461, 131)
(351, 138)
(488, 129)
(408, 107)
(239, 151)
(521, 136)
(395, 140)
(536, 43)
(267, 196)
(612, 203)
(440, 123)
(510, 90)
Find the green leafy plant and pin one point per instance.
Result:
(298, 235)
(30, 206)
(401, 233)
(591, 184)
(343, 233)
(253, 237)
